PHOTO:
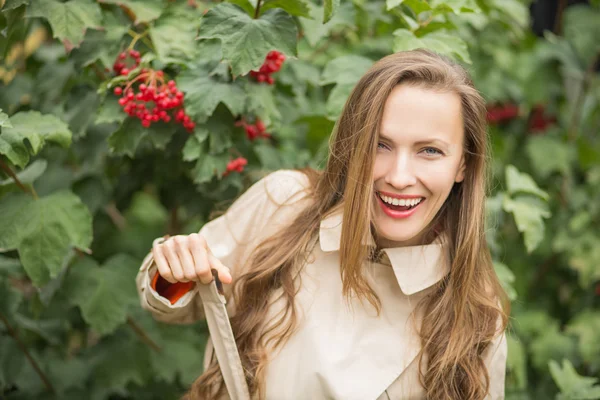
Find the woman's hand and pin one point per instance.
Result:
(187, 258)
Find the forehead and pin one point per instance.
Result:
(415, 113)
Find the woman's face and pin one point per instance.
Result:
(419, 158)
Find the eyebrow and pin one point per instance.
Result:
(420, 142)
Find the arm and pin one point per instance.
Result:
(231, 237)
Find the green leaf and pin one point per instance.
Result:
(330, 8)
(581, 30)
(393, 3)
(549, 155)
(345, 69)
(209, 166)
(244, 5)
(126, 139)
(529, 213)
(26, 177)
(440, 42)
(173, 36)
(246, 41)
(104, 294)
(552, 344)
(121, 359)
(44, 231)
(12, 4)
(515, 10)
(572, 385)
(298, 8)
(184, 356)
(9, 298)
(454, 6)
(203, 94)
(194, 147)
(586, 326)
(69, 20)
(144, 10)
(261, 102)
(516, 363)
(4, 120)
(314, 30)
(337, 99)
(417, 6)
(110, 111)
(507, 278)
(520, 182)
(36, 129)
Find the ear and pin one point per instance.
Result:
(460, 174)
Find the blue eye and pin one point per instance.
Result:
(432, 151)
(381, 146)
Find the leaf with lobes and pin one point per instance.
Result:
(143, 10)
(104, 294)
(330, 8)
(246, 41)
(203, 93)
(297, 8)
(68, 20)
(43, 231)
(36, 129)
(440, 42)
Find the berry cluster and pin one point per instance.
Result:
(539, 120)
(253, 131)
(235, 165)
(272, 64)
(501, 113)
(120, 67)
(154, 100)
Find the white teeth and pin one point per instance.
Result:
(401, 202)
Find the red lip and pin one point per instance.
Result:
(400, 196)
(398, 214)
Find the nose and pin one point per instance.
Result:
(401, 173)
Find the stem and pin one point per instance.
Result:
(257, 9)
(136, 36)
(142, 335)
(22, 347)
(12, 174)
(115, 216)
(558, 17)
(578, 107)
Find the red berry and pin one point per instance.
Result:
(118, 90)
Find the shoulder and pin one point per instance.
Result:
(286, 186)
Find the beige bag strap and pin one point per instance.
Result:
(223, 340)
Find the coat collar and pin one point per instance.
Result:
(416, 267)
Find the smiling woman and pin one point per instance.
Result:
(419, 158)
(370, 279)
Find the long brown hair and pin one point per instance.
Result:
(464, 311)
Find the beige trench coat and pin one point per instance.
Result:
(337, 352)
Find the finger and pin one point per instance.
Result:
(224, 272)
(201, 264)
(173, 260)
(185, 257)
(161, 263)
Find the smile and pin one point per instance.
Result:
(399, 208)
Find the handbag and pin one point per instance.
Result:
(222, 339)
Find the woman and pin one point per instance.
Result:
(371, 279)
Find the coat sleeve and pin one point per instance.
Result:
(231, 237)
(495, 360)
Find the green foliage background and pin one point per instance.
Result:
(84, 190)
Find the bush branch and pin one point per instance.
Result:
(143, 335)
(12, 174)
(23, 348)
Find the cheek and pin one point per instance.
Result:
(438, 177)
